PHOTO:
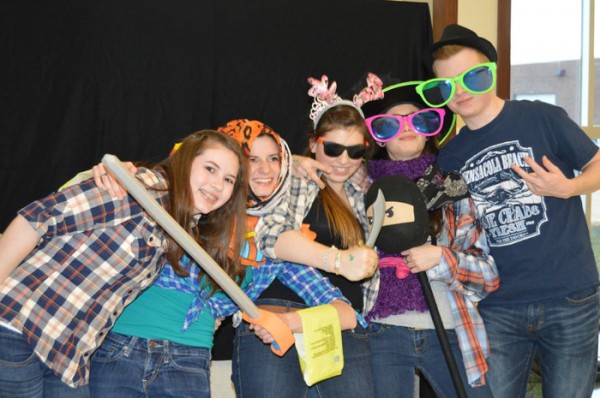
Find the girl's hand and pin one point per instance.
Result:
(422, 258)
(262, 333)
(108, 183)
(291, 319)
(358, 263)
(305, 167)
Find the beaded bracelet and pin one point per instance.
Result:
(326, 257)
(337, 262)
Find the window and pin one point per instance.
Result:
(545, 61)
(555, 58)
(548, 98)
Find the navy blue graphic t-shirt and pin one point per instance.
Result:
(541, 244)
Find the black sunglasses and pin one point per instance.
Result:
(334, 150)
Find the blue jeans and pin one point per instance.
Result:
(397, 351)
(126, 366)
(564, 333)
(259, 373)
(23, 375)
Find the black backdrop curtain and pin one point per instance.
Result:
(81, 78)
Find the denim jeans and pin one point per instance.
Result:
(126, 366)
(397, 351)
(258, 373)
(564, 333)
(23, 375)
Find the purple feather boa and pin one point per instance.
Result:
(413, 169)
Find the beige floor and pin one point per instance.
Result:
(220, 380)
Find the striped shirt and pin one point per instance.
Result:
(95, 256)
(471, 274)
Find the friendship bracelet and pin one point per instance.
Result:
(337, 262)
(326, 257)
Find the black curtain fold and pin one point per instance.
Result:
(81, 78)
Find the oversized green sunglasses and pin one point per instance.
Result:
(438, 92)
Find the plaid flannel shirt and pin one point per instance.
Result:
(471, 274)
(306, 282)
(293, 209)
(95, 256)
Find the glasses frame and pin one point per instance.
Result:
(406, 119)
(351, 150)
(460, 79)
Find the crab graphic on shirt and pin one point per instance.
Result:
(509, 211)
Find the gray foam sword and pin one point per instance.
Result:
(278, 329)
(378, 216)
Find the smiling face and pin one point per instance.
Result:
(212, 178)
(408, 144)
(265, 166)
(468, 106)
(343, 167)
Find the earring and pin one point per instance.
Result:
(381, 144)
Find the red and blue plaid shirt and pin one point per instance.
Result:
(96, 254)
(305, 281)
(470, 273)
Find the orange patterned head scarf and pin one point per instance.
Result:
(245, 132)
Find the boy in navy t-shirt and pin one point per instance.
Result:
(518, 158)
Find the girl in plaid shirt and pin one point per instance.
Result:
(460, 269)
(71, 262)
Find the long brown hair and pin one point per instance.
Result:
(340, 219)
(221, 231)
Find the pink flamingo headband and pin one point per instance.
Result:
(325, 96)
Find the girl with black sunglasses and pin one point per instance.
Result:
(335, 214)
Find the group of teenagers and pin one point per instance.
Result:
(97, 300)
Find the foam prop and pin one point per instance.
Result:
(319, 346)
(377, 220)
(284, 338)
(408, 227)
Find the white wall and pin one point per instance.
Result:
(480, 16)
(477, 15)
